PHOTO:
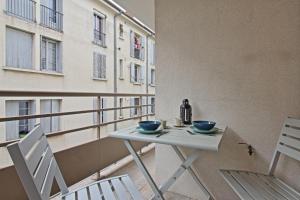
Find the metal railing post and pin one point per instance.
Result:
(98, 107)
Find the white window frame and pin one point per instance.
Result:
(121, 104)
(136, 102)
(58, 67)
(152, 77)
(99, 20)
(137, 73)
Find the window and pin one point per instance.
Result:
(51, 14)
(134, 102)
(18, 129)
(50, 124)
(137, 44)
(103, 115)
(136, 73)
(152, 108)
(99, 66)
(152, 77)
(121, 105)
(18, 49)
(99, 29)
(121, 31)
(121, 69)
(50, 55)
(152, 53)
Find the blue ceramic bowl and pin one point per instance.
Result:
(149, 125)
(204, 125)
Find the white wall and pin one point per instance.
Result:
(238, 63)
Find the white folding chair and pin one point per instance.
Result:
(256, 186)
(37, 168)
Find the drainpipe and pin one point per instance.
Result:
(115, 67)
(147, 71)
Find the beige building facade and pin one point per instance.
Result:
(68, 46)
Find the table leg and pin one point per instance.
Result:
(192, 172)
(141, 166)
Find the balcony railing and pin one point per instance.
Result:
(99, 38)
(24, 9)
(51, 18)
(99, 111)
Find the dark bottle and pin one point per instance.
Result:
(186, 112)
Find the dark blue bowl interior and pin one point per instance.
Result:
(204, 125)
(149, 125)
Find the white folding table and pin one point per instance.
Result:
(176, 137)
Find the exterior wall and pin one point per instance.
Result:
(238, 63)
(77, 64)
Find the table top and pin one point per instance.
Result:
(175, 136)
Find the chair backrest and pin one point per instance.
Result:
(36, 165)
(288, 143)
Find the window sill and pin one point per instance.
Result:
(100, 79)
(32, 71)
(121, 78)
(137, 83)
(121, 38)
(121, 117)
(152, 85)
(99, 44)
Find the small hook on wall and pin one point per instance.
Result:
(250, 148)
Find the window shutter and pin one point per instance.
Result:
(144, 108)
(95, 63)
(143, 74)
(103, 66)
(131, 109)
(45, 122)
(131, 43)
(12, 127)
(95, 101)
(55, 120)
(153, 53)
(43, 54)
(149, 76)
(59, 57)
(142, 52)
(132, 72)
(104, 112)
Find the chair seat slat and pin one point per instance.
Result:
(291, 131)
(239, 190)
(292, 191)
(95, 192)
(46, 189)
(107, 191)
(70, 197)
(131, 188)
(82, 194)
(295, 143)
(278, 189)
(293, 122)
(119, 188)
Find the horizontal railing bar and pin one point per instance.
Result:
(16, 93)
(3, 144)
(14, 118)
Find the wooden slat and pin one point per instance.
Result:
(107, 192)
(291, 131)
(256, 185)
(95, 192)
(289, 152)
(290, 141)
(264, 186)
(36, 154)
(70, 197)
(238, 189)
(46, 189)
(278, 189)
(292, 191)
(293, 122)
(82, 194)
(119, 188)
(136, 195)
(30, 139)
(41, 171)
(248, 187)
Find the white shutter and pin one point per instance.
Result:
(131, 43)
(12, 127)
(143, 49)
(95, 64)
(46, 121)
(131, 109)
(153, 53)
(18, 49)
(149, 76)
(55, 120)
(103, 66)
(144, 108)
(143, 75)
(104, 113)
(132, 72)
(95, 102)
